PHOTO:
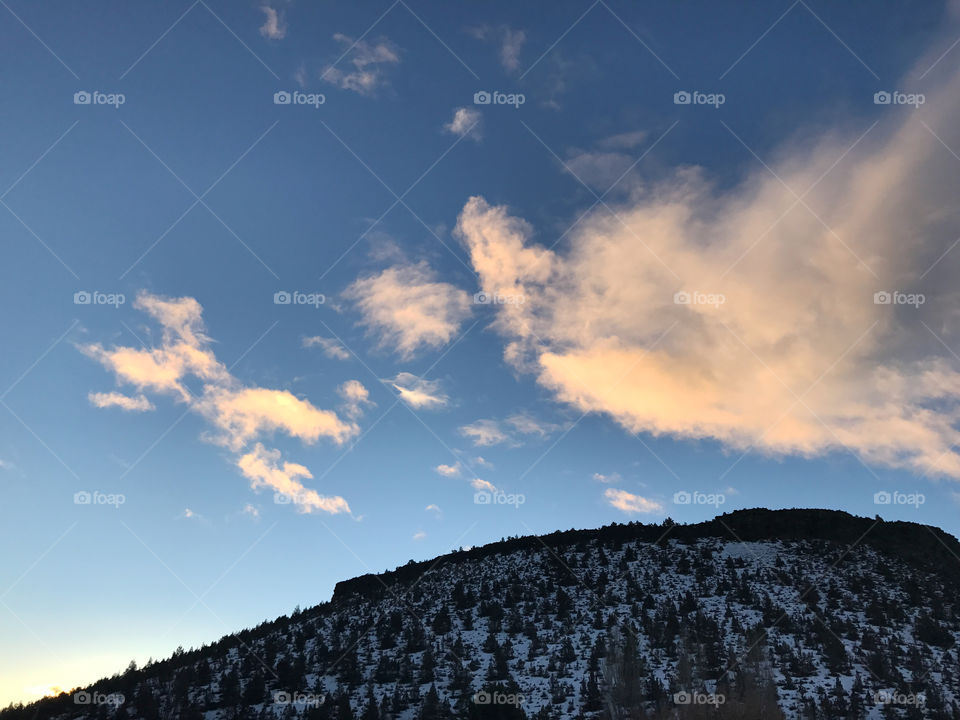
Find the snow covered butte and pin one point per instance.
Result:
(925, 545)
(755, 614)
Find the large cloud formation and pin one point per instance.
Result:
(782, 347)
(237, 413)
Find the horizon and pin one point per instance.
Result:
(294, 292)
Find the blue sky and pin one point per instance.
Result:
(683, 294)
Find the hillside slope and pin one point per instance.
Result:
(755, 614)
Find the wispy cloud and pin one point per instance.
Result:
(509, 42)
(356, 398)
(419, 393)
(369, 62)
(264, 468)
(483, 433)
(331, 347)
(630, 503)
(237, 414)
(465, 122)
(611, 478)
(406, 308)
(275, 25)
(138, 403)
(480, 484)
(486, 432)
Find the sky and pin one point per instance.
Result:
(293, 292)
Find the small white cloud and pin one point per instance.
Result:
(417, 392)
(630, 503)
(250, 510)
(465, 122)
(479, 484)
(189, 514)
(331, 347)
(434, 509)
(484, 433)
(355, 398)
(624, 140)
(528, 425)
(448, 470)
(408, 309)
(274, 26)
(369, 62)
(509, 40)
(511, 43)
(611, 478)
(137, 403)
(479, 461)
(419, 535)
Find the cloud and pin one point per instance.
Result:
(114, 399)
(252, 511)
(528, 425)
(484, 433)
(448, 470)
(417, 392)
(611, 478)
(511, 43)
(274, 26)
(264, 468)
(369, 62)
(331, 347)
(624, 140)
(246, 413)
(408, 309)
(599, 170)
(630, 503)
(479, 484)
(419, 535)
(798, 359)
(237, 414)
(434, 509)
(482, 462)
(189, 514)
(466, 121)
(355, 398)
